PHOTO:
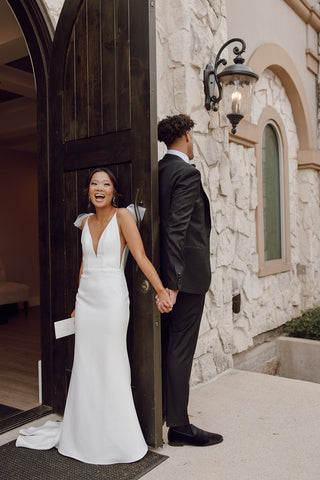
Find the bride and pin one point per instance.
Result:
(100, 424)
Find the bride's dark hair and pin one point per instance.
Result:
(113, 178)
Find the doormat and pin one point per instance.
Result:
(22, 417)
(17, 463)
(6, 411)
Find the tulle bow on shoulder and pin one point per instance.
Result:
(136, 212)
(79, 219)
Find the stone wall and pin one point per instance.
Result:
(318, 88)
(189, 34)
(309, 237)
(270, 301)
(53, 8)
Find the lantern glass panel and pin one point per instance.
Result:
(236, 93)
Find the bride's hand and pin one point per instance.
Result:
(73, 314)
(163, 302)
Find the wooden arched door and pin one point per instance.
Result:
(102, 113)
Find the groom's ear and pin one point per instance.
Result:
(188, 135)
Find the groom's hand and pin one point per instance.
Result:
(163, 301)
(165, 308)
(172, 295)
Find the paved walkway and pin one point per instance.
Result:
(271, 429)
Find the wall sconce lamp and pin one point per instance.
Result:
(234, 84)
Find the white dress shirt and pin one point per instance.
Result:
(179, 154)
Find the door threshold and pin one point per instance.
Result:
(22, 418)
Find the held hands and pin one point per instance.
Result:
(166, 300)
(173, 295)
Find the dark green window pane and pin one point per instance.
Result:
(271, 194)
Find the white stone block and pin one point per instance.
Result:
(213, 20)
(201, 42)
(178, 47)
(216, 288)
(226, 248)
(252, 287)
(242, 339)
(225, 180)
(242, 196)
(196, 376)
(214, 120)
(253, 193)
(179, 80)
(226, 335)
(238, 264)
(54, 8)
(211, 316)
(212, 151)
(202, 346)
(220, 222)
(201, 120)
(207, 367)
(241, 222)
(199, 9)
(177, 15)
(204, 325)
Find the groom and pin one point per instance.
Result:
(185, 267)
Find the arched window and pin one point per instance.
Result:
(273, 226)
(272, 193)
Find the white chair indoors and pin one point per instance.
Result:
(12, 292)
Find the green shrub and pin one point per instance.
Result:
(305, 326)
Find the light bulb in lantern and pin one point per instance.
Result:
(236, 101)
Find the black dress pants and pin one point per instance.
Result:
(180, 329)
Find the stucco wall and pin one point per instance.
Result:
(274, 22)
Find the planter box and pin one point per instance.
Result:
(299, 359)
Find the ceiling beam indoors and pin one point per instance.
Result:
(18, 124)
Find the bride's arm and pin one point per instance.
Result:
(131, 235)
(80, 273)
(83, 220)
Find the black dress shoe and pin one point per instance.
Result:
(198, 437)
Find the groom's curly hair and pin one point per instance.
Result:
(171, 128)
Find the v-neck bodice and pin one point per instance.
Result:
(108, 256)
(101, 235)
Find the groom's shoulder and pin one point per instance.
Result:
(172, 160)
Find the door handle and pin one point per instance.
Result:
(145, 286)
(136, 209)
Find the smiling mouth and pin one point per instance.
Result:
(99, 196)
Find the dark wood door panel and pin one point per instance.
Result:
(101, 115)
(97, 71)
(107, 149)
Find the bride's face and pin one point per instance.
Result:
(101, 190)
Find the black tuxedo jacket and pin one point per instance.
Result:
(184, 227)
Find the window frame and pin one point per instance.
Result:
(269, 267)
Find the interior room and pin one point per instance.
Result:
(20, 350)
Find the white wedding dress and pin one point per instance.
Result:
(100, 424)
